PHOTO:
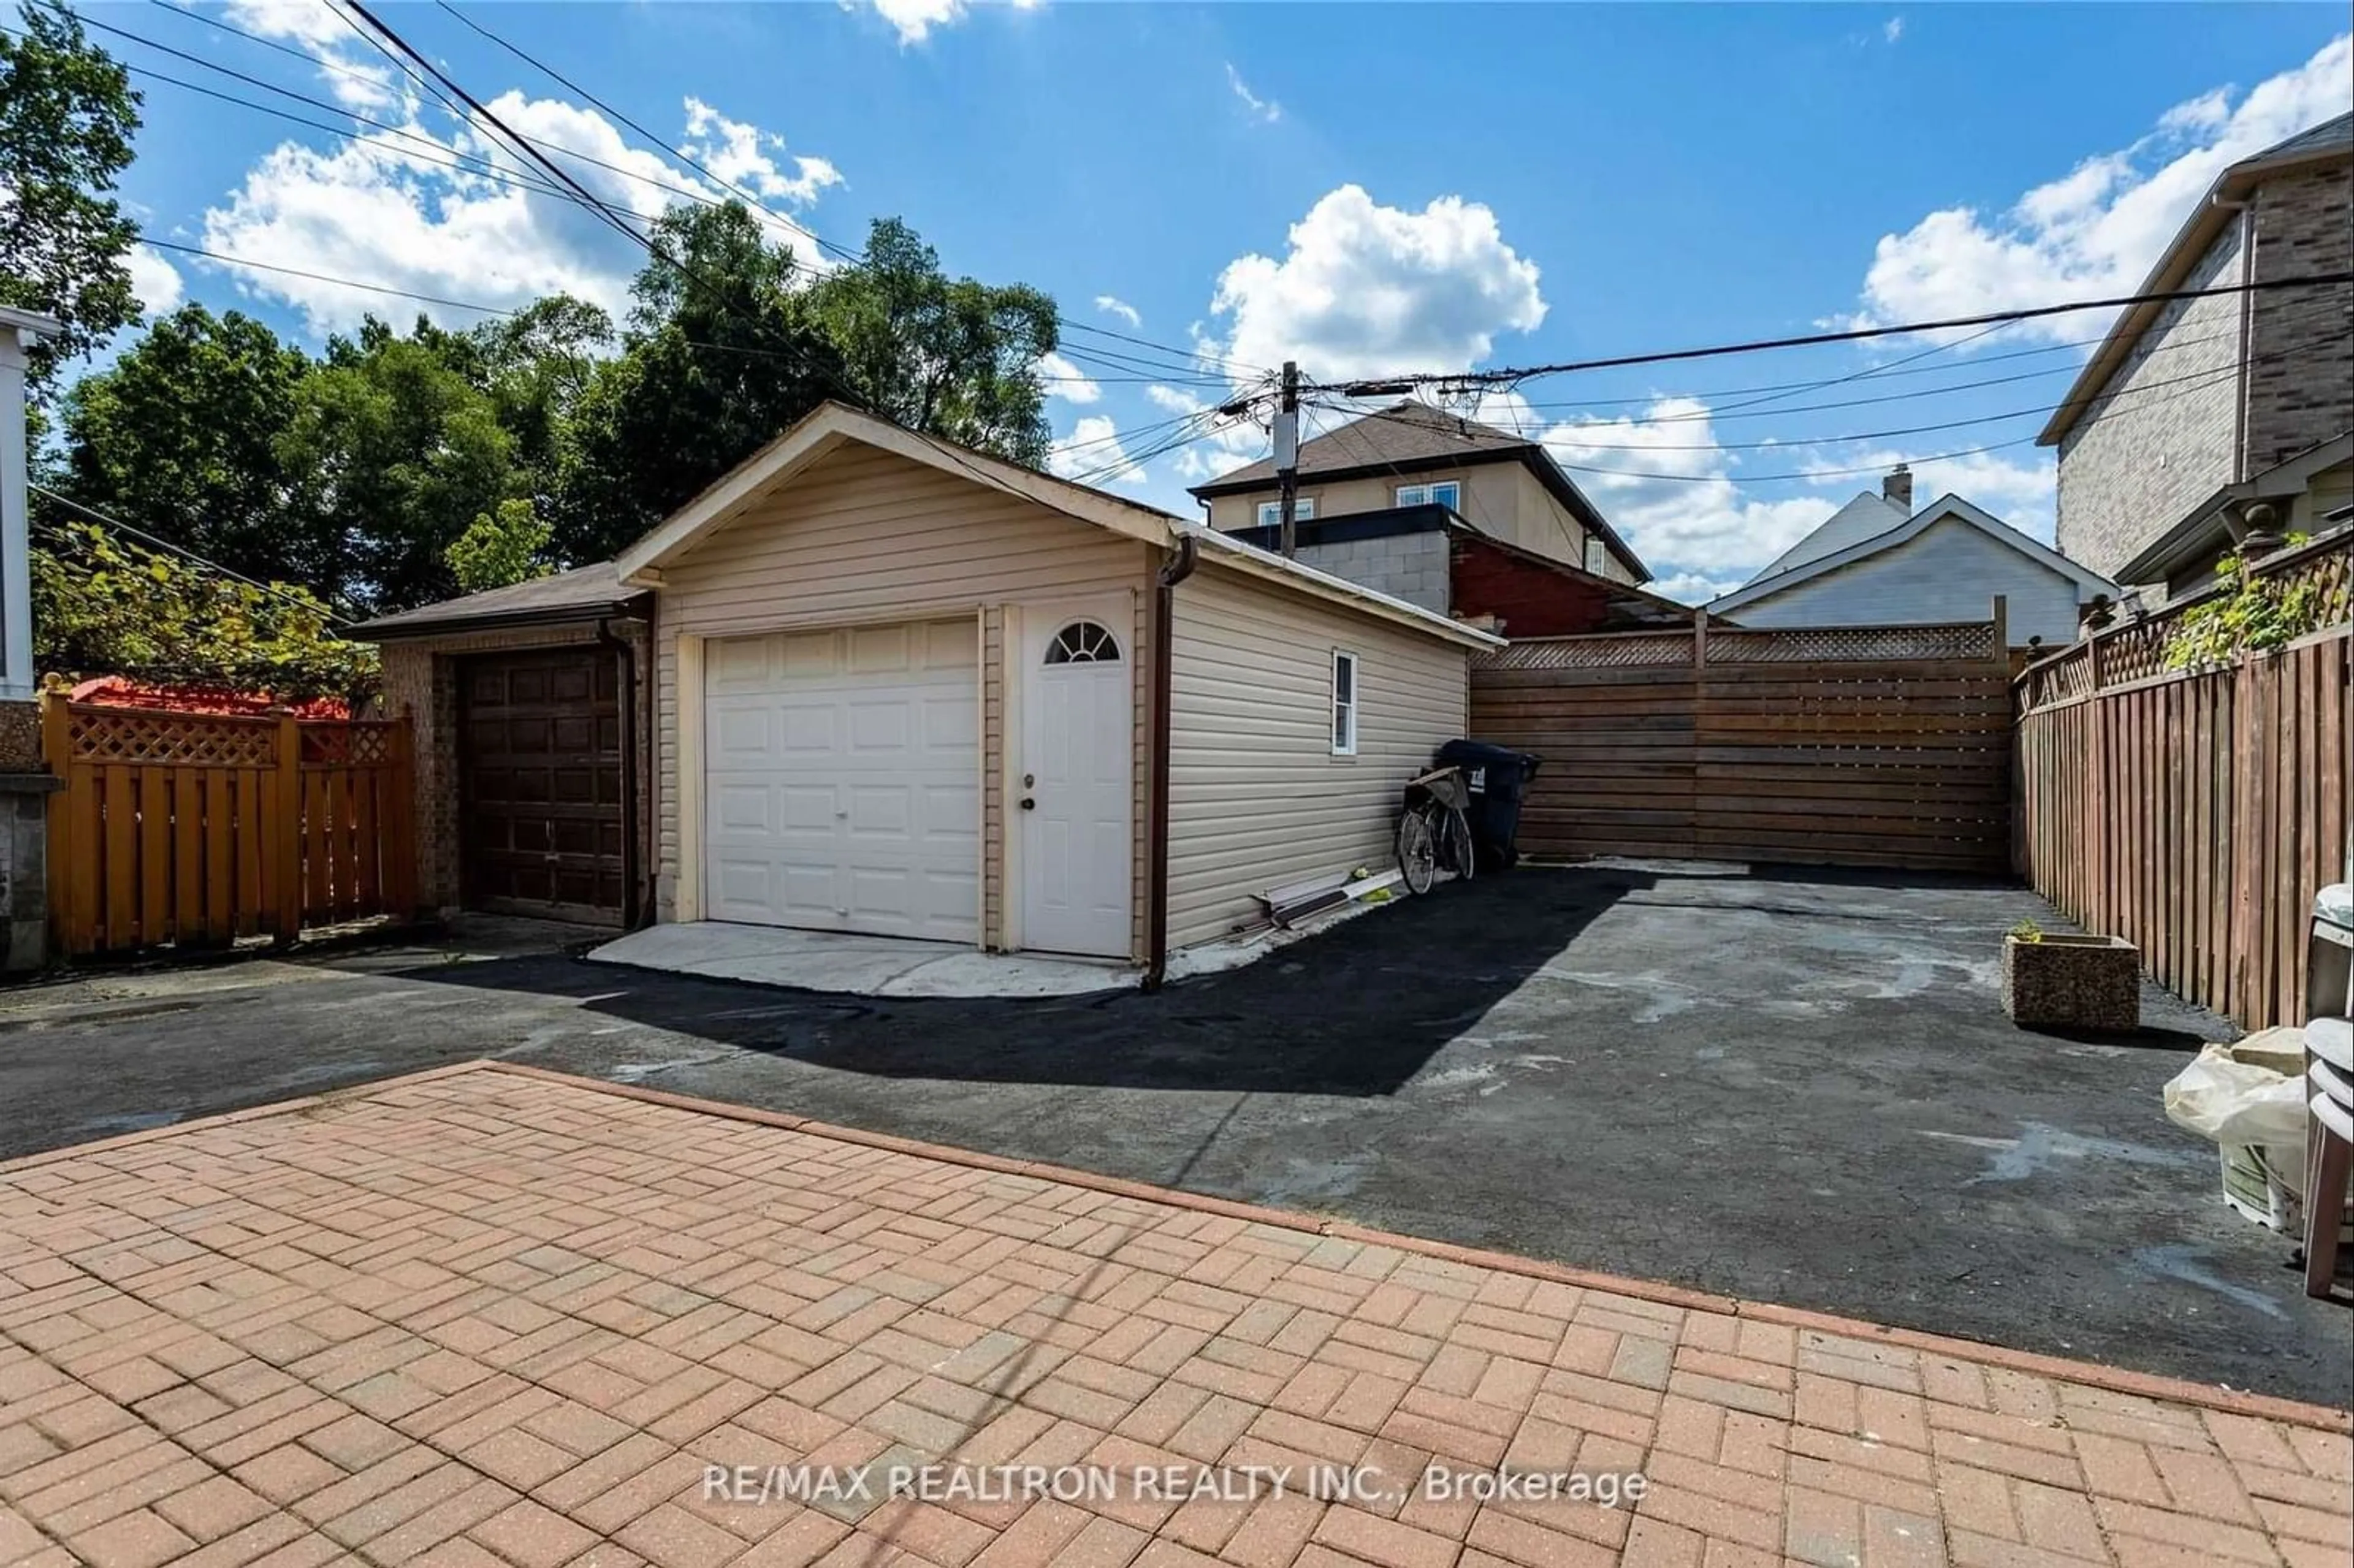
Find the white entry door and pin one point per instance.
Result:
(1077, 783)
(843, 780)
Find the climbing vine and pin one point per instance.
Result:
(2254, 615)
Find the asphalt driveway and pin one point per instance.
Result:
(1786, 1086)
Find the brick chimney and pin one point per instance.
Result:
(1897, 488)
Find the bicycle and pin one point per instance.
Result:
(1433, 833)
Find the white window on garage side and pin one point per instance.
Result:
(1270, 513)
(1445, 492)
(1344, 704)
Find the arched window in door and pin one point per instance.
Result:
(1083, 642)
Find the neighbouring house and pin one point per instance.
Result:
(1430, 555)
(2192, 413)
(893, 686)
(1877, 561)
(1402, 499)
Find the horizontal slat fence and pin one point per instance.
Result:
(2195, 813)
(195, 829)
(1851, 746)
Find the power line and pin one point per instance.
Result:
(595, 204)
(324, 278)
(120, 527)
(850, 257)
(1853, 335)
(1570, 440)
(481, 168)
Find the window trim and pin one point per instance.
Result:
(1347, 708)
(1429, 487)
(1270, 513)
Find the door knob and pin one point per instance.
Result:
(1028, 804)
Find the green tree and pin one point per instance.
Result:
(67, 116)
(107, 607)
(951, 356)
(730, 342)
(392, 453)
(179, 438)
(720, 356)
(499, 548)
(537, 365)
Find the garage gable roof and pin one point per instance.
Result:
(831, 426)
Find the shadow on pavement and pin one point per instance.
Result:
(1354, 1009)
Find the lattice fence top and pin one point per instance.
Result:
(2136, 651)
(140, 734)
(1615, 650)
(1825, 645)
(130, 735)
(359, 743)
(1780, 645)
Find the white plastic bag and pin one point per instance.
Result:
(2237, 1102)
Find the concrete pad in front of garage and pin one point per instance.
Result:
(858, 966)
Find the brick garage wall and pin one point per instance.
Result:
(2301, 383)
(420, 679)
(2143, 454)
(1411, 567)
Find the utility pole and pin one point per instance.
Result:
(1287, 455)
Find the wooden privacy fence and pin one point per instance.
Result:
(1848, 745)
(2194, 812)
(192, 828)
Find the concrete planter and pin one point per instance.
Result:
(2071, 982)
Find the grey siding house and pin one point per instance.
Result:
(1876, 561)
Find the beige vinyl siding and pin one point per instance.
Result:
(864, 536)
(1502, 500)
(1255, 797)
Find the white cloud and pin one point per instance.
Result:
(375, 209)
(1111, 304)
(1093, 454)
(2099, 228)
(1368, 289)
(359, 77)
(154, 281)
(740, 155)
(1692, 587)
(1065, 380)
(915, 19)
(1265, 110)
(1682, 510)
(1893, 28)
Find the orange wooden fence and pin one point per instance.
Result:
(196, 829)
(2195, 813)
(1853, 745)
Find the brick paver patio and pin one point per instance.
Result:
(484, 1317)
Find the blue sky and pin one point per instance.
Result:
(1367, 187)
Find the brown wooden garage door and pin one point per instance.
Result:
(541, 784)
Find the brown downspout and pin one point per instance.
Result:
(1176, 569)
(634, 905)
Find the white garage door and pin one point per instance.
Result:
(843, 780)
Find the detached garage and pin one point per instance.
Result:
(902, 689)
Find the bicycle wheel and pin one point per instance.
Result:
(1418, 850)
(1455, 840)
